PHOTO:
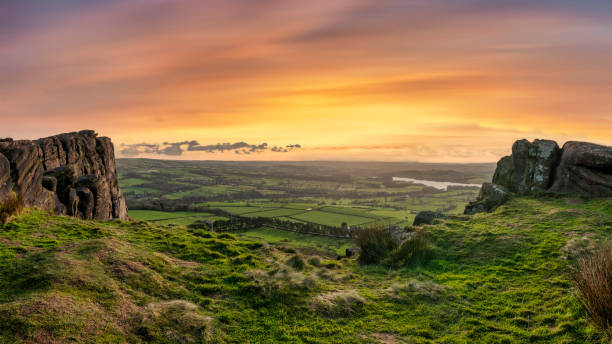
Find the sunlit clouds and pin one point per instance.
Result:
(358, 80)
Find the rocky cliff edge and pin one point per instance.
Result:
(72, 174)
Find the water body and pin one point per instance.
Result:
(434, 184)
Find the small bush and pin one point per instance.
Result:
(9, 207)
(593, 280)
(376, 243)
(297, 262)
(338, 303)
(281, 282)
(392, 248)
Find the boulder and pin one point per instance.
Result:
(585, 169)
(86, 203)
(490, 197)
(504, 171)
(101, 195)
(27, 172)
(47, 173)
(427, 218)
(580, 168)
(529, 168)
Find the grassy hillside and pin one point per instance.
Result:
(493, 278)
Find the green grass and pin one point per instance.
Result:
(331, 219)
(502, 277)
(128, 182)
(280, 237)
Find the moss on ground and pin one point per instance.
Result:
(494, 278)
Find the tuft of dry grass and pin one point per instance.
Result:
(314, 261)
(593, 280)
(412, 289)
(297, 262)
(12, 205)
(177, 321)
(282, 280)
(338, 303)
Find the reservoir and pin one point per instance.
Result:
(434, 184)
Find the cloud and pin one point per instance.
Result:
(178, 148)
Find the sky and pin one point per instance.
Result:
(388, 80)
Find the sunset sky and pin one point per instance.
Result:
(428, 80)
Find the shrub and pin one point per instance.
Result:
(338, 303)
(392, 248)
(10, 206)
(593, 280)
(376, 243)
(297, 262)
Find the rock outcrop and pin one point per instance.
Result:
(427, 217)
(72, 174)
(579, 168)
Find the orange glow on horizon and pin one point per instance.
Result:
(348, 80)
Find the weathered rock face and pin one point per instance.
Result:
(5, 177)
(529, 168)
(72, 174)
(580, 168)
(585, 169)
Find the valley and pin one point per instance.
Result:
(328, 193)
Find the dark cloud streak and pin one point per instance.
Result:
(178, 148)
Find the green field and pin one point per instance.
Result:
(328, 215)
(148, 215)
(172, 218)
(332, 219)
(278, 212)
(360, 194)
(342, 187)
